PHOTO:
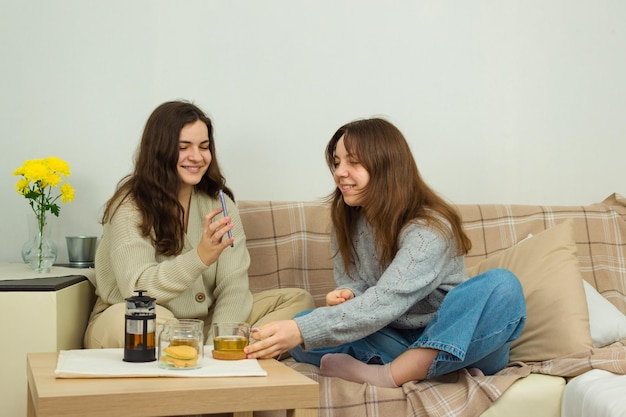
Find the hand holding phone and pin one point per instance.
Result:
(225, 213)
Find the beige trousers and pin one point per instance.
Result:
(107, 330)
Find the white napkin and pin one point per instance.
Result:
(108, 363)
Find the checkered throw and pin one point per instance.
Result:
(289, 247)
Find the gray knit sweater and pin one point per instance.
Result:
(405, 295)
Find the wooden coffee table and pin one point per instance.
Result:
(282, 389)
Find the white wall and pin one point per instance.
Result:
(502, 101)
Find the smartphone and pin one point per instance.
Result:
(225, 213)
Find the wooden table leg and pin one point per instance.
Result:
(30, 406)
(243, 414)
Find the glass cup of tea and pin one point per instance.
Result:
(181, 344)
(229, 339)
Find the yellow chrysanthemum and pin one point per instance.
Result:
(22, 186)
(58, 165)
(52, 179)
(35, 170)
(39, 176)
(67, 193)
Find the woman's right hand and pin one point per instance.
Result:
(273, 339)
(212, 242)
(339, 296)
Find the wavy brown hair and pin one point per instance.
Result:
(154, 184)
(395, 195)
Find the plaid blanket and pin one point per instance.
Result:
(457, 394)
(289, 247)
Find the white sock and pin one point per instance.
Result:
(475, 372)
(344, 366)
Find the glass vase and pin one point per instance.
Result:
(39, 251)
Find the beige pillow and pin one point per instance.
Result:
(557, 321)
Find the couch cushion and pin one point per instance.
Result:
(535, 395)
(289, 245)
(599, 232)
(557, 318)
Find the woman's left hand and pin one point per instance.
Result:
(273, 339)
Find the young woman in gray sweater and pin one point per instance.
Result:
(404, 308)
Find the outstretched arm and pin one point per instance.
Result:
(273, 339)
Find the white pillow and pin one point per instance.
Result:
(606, 322)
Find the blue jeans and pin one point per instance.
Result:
(474, 327)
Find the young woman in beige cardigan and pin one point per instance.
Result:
(164, 233)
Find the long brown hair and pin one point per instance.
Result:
(154, 184)
(395, 195)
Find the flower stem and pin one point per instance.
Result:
(40, 212)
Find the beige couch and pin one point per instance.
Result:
(552, 249)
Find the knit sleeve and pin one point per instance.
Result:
(343, 279)
(129, 261)
(126, 260)
(400, 296)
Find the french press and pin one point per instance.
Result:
(139, 329)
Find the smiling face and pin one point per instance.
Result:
(350, 176)
(194, 155)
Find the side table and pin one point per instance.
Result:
(282, 389)
(40, 313)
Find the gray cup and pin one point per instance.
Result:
(81, 250)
